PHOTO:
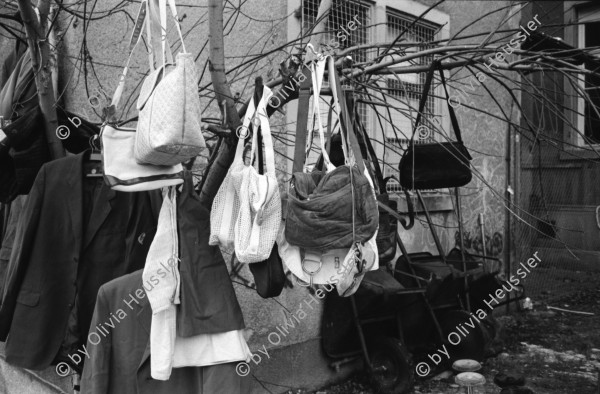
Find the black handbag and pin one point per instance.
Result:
(269, 276)
(435, 165)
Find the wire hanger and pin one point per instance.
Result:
(93, 166)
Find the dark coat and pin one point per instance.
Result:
(54, 257)
(208, 302)
(120, 359)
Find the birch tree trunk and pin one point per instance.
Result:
(39, 51)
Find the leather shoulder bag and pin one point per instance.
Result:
(435, 165)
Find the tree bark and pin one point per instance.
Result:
(39, 51)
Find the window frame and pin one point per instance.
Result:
(574, 12)
(437, 102)
(435, 17)
(379, 22)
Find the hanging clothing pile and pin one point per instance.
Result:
(193, 324)
(120, 362)
(74, 235)
(209, 317)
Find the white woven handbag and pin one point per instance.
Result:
(226, 205)
(121, 171)
(169, 125)
(259, 216)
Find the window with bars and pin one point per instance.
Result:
(404, 90)
(342, 13)
(391, 131)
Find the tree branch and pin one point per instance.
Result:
(215, 173)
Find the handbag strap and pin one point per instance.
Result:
(163, 25)
(302, 119)
(265, 129)
(381, 182)
(453, 118)
(154, 32)
(239, 151)
(318, 72)
(133, 42)
(345, 119)
(426, 87)
(423, 100)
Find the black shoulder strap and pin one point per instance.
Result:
(423, 100)
(347, 123)
(453, 119)
(378, 173)
(426, 87)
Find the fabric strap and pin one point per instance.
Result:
(318, 71)
(133, 42)
(453, 119)
(426, 87)
(163, 28)
(261, 113)
(302, 121)
(381, 182)
(154, 32)
(344, 115)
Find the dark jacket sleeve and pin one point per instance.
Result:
(95, 378)
(23, 244)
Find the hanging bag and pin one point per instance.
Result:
(259, 215)
(169, 126)
(320, 204)
(226, 205)
(335, 266)
(269, 276)
(121, 171)
(437, 165)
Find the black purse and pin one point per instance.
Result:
(269, 276)
(435, 165)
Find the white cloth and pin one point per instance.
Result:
(162, 342)
(162, 283)
(210, 349)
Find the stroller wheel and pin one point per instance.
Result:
(391, 366)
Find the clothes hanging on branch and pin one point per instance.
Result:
(120, 362)
(67, 246)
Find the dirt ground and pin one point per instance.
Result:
(556, 352)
